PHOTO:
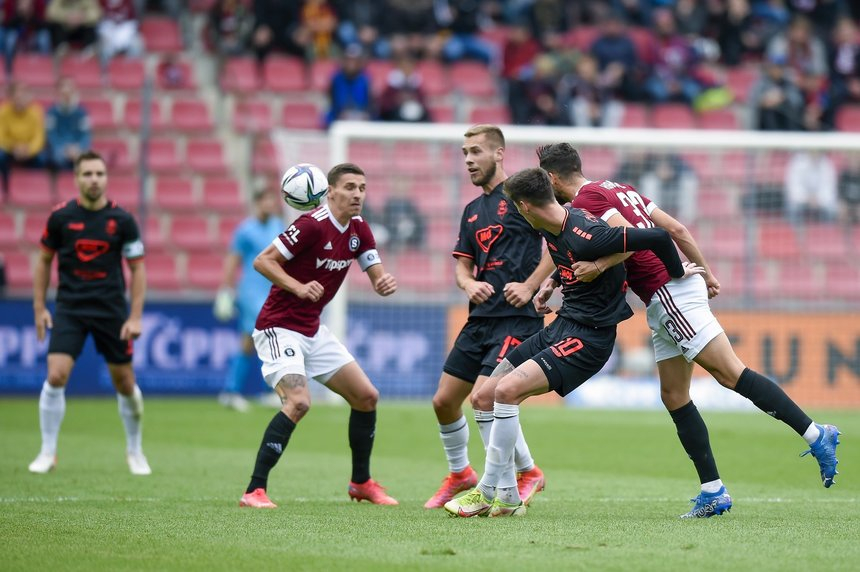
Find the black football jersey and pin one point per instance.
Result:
(585, 237)
(505, 249)
(90, 246)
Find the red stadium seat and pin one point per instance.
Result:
(841, 281)
(205, 271)
(284, 74)
(126, 74)
(434, 78)
(186, 73)
(719, 119)
(161, 34)
(67, 188)
(125, 190)
(174, 194)
(116, 153)
(778, 240)
(223, 195)
(731, 275)
(716, 205)
(8, 231)
(34, 70)
(205, 156)
(581, 37)
(133, 115)
(826, 241)
(321, 74)
(253, 116)
(154, 234)
(421, 271)
(30, 189)
(163, 155)
(848, 118)
(369, 154)
(240, 75)
(740, 81)
(162, 272)
(19, 273)
(86, 72)
(101, 114)
(378, 71)
(265, 157)
(441, 235)
(727, 241)
(635, 115)
(673, 116)
(191, 233)
(34, 227)
(496, 114)
(473, 79)
(301, 116)
(805, 285)
(643, 41)
(442, 113)
(191, 116)
(227, 225)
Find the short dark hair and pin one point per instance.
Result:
(530, 185)
(88, 156)
(342, 169)
(560, 158)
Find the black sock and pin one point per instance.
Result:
(770, 398)
(275, 440)
(362, 428)
(693, 434)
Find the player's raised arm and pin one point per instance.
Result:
(688, 246)
(478, 292)
(383, 283)
(270, 263)
(586, 271)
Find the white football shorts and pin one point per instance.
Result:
(287, 352)
(681, 320)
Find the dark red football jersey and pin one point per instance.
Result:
(317, 248)
(645, 273)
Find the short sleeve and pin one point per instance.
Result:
(52, 235)
(367, 255)
(592, 238)
(595, 202)
(132, 245)
(464, 246)
(298, 237)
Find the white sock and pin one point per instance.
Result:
(498, 470)
(455, 440)
(522, 455)
(712, 486)
(812, 433)
(484, 419)
(131, 412)
(52, 409)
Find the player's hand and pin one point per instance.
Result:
(43, 323)
(517, 294)
(386, 285)
(586, 271)
(479, 292)
(691, 269)
(130, 329)
(312, 291)
(713, 286)
(224, 308)
(542, 297)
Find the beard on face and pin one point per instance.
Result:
(488, 176)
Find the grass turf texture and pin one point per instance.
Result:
(617, 482)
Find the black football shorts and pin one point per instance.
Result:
(70, 331)
(484, 342)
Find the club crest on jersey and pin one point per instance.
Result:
(503, 208)
(488, 235)
(354, 243)
(88, 249)
(110, 228)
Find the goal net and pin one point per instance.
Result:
(767, 209)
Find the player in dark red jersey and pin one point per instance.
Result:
(497, 254)
(306, 264)
(575, 346)
(90, 236)
(684, 329)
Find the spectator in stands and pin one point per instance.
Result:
(735, 32)
(462, 20)
(23, 28)
(171, 73)
(411, 28)
(403, 98)
(616, 58)
(277, 26)
(22, 133)
(849, 189)
(320, 20)
(592, 102)
(675, 73)
(519, 52)
(358, 23)
(801, 49)
(845, 62)
(229, 26)
(118, 30)
(776, 103)
(67, 126)
(818, 111)
(403, 221)
(690, 17)
(635, 12)
(350, 94)
(74, 22)
(549, 22)
(810, 188)
(541, 94)
(671, 183)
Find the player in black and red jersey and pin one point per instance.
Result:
(497, 254)
(575, 346)
(90, 235)
(683, 328)
(306, 264)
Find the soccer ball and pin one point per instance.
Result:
(304, 186)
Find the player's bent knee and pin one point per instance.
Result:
(58, 378)
(366, 401)
(482, 400)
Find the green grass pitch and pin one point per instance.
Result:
(616, 483)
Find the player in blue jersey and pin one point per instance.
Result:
(576, 345)
(250, 238)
